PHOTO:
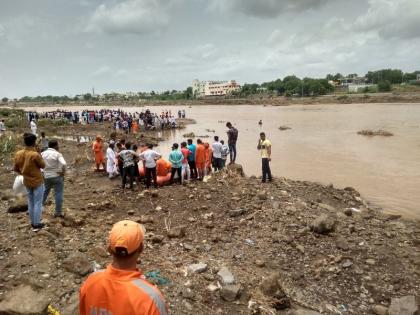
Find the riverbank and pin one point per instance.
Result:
(288, 244)
(395, 97)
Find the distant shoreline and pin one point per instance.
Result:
(373, 98)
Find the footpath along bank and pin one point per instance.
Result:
(228, 245)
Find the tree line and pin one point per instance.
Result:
(288, 86)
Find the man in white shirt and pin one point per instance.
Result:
(55, 167)
(217, 148)
(150, 157)
(111, 166)
(2, 127)
(33, 127)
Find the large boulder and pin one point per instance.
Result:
(24, 301)
(406, 305)
(324, 224)
(236, 168)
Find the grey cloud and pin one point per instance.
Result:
(266, 8)
(391, 19)
(130, 16)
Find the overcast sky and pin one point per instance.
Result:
(67, 47)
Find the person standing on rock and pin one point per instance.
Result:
(232, 139)
(28, 163)
(55, 168)
(121, 288)
(191, 159)
(264, 145)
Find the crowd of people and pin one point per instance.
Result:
(140, 162)
(124, 121)
(121, 288)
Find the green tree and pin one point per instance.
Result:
(4, 99)
(384, 86)
(87, 97)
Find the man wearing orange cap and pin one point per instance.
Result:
(121, 289)
(99, 155)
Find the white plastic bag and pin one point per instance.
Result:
(18, 186)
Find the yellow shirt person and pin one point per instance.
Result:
(264, 145)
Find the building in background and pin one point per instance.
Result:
(214, 88)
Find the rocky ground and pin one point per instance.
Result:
(231, 245)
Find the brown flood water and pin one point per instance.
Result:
(323, 145)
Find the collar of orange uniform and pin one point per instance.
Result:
(125, 275)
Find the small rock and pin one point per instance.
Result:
(158, 208)
(327, 207)
(406, 305)
(130, 212)
(207, 197)
(19, 205)
(212, 287)
(155, 194)
(226, 276)
(197, 268)
(304, 312)
(324, 224)
(236, 212)
(157, 239)
(24, 301)
(230, 292)
(370, 261)
(270, 285)
(262, 195)
(348, 212)
(260, 263)
(300, 248)
(176, 232)
(380, 310)
(146, 219)
(347, 263)
(78, 264)
(342, 244)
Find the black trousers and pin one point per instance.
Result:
(131, 172)
(266, 172)
(151, 172)
(193, 169)
(176, 170)
(217, 164)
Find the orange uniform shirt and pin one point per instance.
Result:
(120, 292)
(200, 157)
(99, 155)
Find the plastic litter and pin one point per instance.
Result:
(155, 277)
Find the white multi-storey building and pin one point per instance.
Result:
(214, 88)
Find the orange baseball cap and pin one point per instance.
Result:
(126, 237)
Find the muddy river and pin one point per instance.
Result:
(323, 145)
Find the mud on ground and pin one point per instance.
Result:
(268, 236)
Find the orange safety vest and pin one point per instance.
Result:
(120, 292)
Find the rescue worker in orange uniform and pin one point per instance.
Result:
(208, 153)
(200, 159)
(121, 289)
(98, 152)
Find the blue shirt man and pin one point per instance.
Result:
(176, 157)
(191, 158)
